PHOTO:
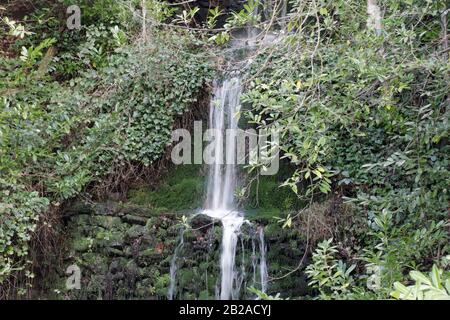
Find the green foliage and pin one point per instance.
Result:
(263, 296)
(366, 115)
(105, 26)
(331, 277)
(434, 287)
(16, 29)
(19, 213)
(57, 139)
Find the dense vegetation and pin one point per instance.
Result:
(362, 115)
(365, 116)
(62, 131)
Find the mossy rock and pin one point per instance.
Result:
(186, 277)
(149, 256)
(95, 286)
(82, 244)
(114, 252)
(144, 289)
(95, 262)
(274, 231)
(182, 189)
(148, 272)
(107, 238)
(135, 219)
(263, 215)
(107, 222)
(136, 231)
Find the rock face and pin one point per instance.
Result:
(125, 252)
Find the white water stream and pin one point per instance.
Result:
(222, 180)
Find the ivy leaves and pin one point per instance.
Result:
(60, 139)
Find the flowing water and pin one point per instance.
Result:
(174, 267)
(220, 201)
(222, 180)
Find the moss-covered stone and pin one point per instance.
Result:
(136, 231)
(182, 189)
(126, 252)
(82, 244)
(134, 219)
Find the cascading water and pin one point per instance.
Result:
(173, 267)
(220, 202)
(222, 181)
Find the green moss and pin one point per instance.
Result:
(268, 194)
(82, 244)
(106, 222)
(273, 230)
(95, 261)
(187, 194)
(109, 238)
(136, 231)
(182, 189)
(148, 253)
(268, 200)
(264, 215)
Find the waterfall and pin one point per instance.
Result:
(222, 179)
(222, 116)
(173, 267)
(220, 202)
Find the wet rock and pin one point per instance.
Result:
(201, 221)
(127, 253)
(129, 209)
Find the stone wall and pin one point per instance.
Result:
(125, 251)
